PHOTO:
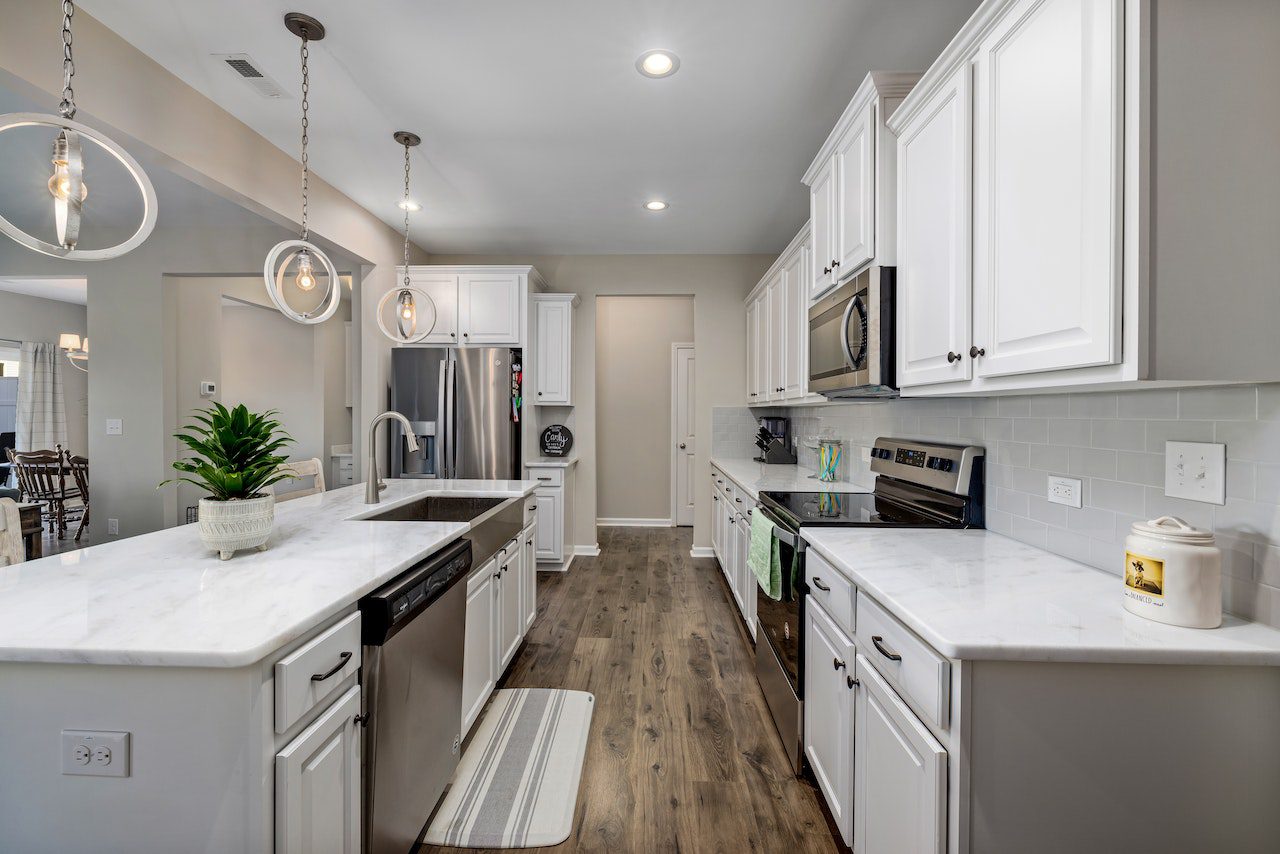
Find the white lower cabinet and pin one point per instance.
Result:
(479, 672)
(900, 778)
(828, 713)
(317, 801)
(746, 579)
(510, 602)
(528, 575)
(550, 540)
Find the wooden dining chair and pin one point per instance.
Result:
(12, 549)
(42, 479)
(311, 468)
(79, 468)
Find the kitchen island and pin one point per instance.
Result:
(200, 674)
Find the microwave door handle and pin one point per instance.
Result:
(844, 334)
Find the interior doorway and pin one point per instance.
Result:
(683, 433)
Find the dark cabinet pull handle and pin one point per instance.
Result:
(342, 662)
(544, 478)
(975, 351)
(361, 720)
(851, 681)
(817, 582)
(884, 650)
(837, 664)
(739, 500)
(953, 357)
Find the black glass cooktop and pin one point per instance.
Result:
(846, 509)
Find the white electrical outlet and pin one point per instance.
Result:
(113, 527)
(95, 754)
(115, 427)
(1196, 471)
(866, 454)
(1064, 490)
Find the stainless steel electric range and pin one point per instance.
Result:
(918, 485)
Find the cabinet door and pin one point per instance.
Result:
(762, 346)
(549, 519)
(511, 628)
(777, 337)
(443, 290)
(855, 197)
(717, 528)
(796, 372)
(489, 308)
(753, 343)
(478, 676)
(901, 775)
(318, 784)
(529, 565)
(828, 713)
(1047, 188)
(933, 286)
(821, 215)
(553, 328)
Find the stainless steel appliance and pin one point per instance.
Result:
(918, 485)
(463, 404)
(851, 349)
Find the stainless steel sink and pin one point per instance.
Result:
(437, 508)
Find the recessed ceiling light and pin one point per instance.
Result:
(658, 63)
(655, 205)
(408, 206)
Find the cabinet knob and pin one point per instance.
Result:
(975, 351)
(835, 264)
(466, 335)
(682, 446)
(851, 681)
(953, 357)
(837, 663)
(826, 269)
(453, 335)
(539, 394)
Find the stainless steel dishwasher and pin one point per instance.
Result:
(413, 652)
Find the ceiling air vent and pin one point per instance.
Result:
(247, 70)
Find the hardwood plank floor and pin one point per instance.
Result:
(682, 755)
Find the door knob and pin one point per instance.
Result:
(975, 351)
(682, 446)
(954, 357)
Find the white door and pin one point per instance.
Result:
(828, 713)
(552, 324)
(821, 215)
(901, 777)
(683, 388)
(549, 531)
(529, 564)
(753, 343)
(778, 314)
(855, 195)
(933, 286)
(478, 675)
(443, 290)
(1047, 188)
(318, 784)
(511, 610)
(797, 300)
(489, 308)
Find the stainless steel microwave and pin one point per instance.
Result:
(851, 352)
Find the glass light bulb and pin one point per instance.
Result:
(306, 278)
(657, 63)
(407, 311)
(60, 182)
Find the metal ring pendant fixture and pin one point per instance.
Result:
(67, 186)
(304, 258)
(409, 300)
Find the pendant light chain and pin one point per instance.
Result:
(67, 107)
(306, 89)
(406, 215)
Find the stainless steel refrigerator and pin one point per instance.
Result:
(464, 404)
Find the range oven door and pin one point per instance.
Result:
(779, 637)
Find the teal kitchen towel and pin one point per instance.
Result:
(763, 556)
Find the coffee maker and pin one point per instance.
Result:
(774, 441)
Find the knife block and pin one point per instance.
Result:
(777, 454)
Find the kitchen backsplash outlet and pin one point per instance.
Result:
(1113, 442)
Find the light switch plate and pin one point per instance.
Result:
(1196, 471)
(1064, 490)
(95, 754)
(866, 453)
(115, 427)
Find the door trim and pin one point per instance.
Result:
(675, 423)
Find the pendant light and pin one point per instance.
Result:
(299, 263)
(77, 351)
(410, 302)
(67, 184)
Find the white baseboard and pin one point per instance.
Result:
(592, 550)
(633, 523)
(702, 551)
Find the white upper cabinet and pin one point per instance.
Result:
(795, 279)
(552, 348)
(443, 290)
(851, 185)
(1047, 188)
(778, 310)
(489, 308)
(777, 313)
(933, 284)
(753, 344)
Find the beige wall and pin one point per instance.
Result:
(28, 318)
(634, 335)
(718, 285)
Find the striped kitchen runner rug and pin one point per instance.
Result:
(517, 782)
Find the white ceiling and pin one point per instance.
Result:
(538, 133)
(74, 290)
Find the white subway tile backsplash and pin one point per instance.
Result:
(1114, 442)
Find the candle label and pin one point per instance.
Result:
(1144, 578)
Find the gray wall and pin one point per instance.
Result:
(28, 318)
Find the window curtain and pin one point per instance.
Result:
(42, 415)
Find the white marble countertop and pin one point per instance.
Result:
(551, 462)
(983, 596)
(757, 477)
(164, 599)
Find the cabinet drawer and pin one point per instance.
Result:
(909, 663)
(296, 691)
(838, 597)
(547, 477)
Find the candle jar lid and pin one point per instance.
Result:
(1175, 529)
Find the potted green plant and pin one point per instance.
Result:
(236, 459)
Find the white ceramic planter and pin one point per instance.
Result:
(228, 526)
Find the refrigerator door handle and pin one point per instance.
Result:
(442, 428)
(451, 418)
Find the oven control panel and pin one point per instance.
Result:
(937, 465)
